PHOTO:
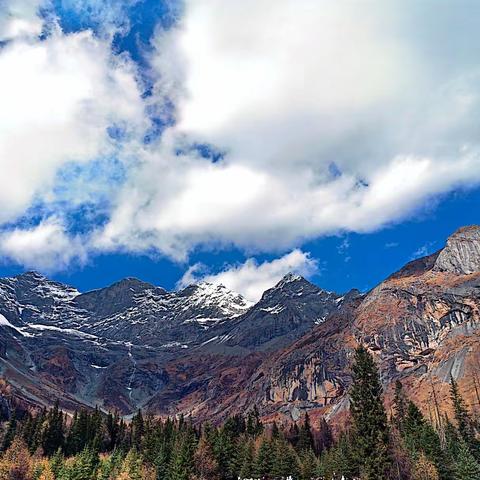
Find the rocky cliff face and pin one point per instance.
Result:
(204, 351)
(462, 252)
(421, 324)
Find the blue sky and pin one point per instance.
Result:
(212, 140)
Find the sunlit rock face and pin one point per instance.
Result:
(206, 352)
(462, 252)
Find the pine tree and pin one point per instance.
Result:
(57, 462)
(305, 437)
(307, 464)
(254, 426)
(10, 432)
(264, 459)
(84, 466)
(420, 436)
(224, 449)
(138, 430)
(341, 460)
(325, 437)
(400, 405)
(466, 467)
(285, 461)
(132, 466)
(53, 435)
(369, 418)
(181, 465)
(462, 417)
(246, 459)
(162, 460)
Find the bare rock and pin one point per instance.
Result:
(461, 255)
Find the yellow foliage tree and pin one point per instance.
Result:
(424, 469)
(17, 462)
(47, 473)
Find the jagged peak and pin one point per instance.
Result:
(32, 275)
(131, 281)
(461, 254)
(290, 277)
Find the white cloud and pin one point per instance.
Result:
(46, 247)
(251, 278)
(333, 118)
(58, 97)
(18, 18)
(287, 89)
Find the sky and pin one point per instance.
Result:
(234, 142)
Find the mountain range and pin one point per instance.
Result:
(206, 352)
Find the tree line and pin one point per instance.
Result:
(91, 445)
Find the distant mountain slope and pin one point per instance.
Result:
(206, 352)
(110, 346)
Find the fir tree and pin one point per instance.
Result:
(462, 417)
(224, 449)
(285, 461)
(84, 466)
(400, 405)
(307, 464)
(325, 437)
(132, 466)
(254, 426)
(305, 437)
(247, 459)
(181, 464)
(10, 432)
(138, 429)
(162, 460)
(369, 418)
(420, 436)
(57, 462)
(53, 435)
(466, 467)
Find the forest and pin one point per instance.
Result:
(374, 445)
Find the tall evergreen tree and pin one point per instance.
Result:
(264, 459)
(369, 418)
(464, 422)
(138, 429)
(254, 426)
(246, 464)
(285, 461)
(53, 435)
(305, 437)
(466, 467)
(420, 436)
(10, 431)
(400, 405)
(325, 437)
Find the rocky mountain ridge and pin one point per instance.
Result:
(205, 352)
(111, 346)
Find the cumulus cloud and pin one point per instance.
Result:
(46, 247)
(19, 18)
(251, 278)
(332, 118)
(58, 98)
(329, 117)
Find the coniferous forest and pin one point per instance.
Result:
(374, 445)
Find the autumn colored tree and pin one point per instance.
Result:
(206, 466)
